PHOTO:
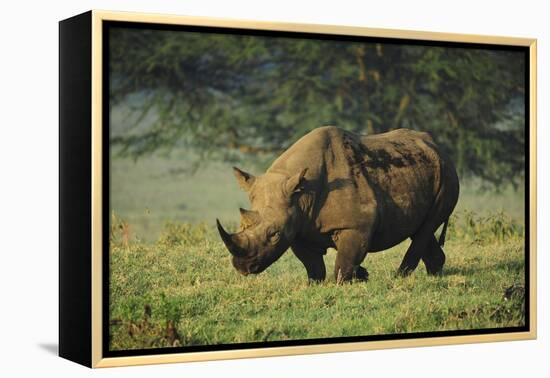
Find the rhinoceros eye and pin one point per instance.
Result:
(274, 237)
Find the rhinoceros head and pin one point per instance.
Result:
(267, 230)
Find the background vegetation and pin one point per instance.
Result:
(257, 95)
(185, 107)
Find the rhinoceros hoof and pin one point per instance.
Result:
(403, 272)
(314, 281)
(361, 274)
(435, 271)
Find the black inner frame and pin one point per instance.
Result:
(106, 25)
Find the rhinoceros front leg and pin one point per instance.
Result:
(352, 248)
(312, 258)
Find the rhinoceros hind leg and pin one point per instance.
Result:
(415, 252)
(424, 244)
(434, 258)
(361, 274)
(410, 261)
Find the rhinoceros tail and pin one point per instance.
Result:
(443, 232)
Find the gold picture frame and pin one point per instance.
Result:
(84, 273)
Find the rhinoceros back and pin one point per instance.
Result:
(392, 177)
(403, 167)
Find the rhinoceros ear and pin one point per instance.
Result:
(244, 179)
(296, 183)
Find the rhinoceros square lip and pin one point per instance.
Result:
(263, 189)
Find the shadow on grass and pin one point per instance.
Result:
(515, 266)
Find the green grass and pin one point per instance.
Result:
(172, 282)
(182, 290)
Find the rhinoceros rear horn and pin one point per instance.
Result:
(233, 242)
(249, 217)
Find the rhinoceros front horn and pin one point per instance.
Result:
(234, 242)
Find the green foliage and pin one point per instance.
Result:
(257, 95)
(184, 233)
(491, 227)
(182, 290)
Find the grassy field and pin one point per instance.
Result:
(182, 290)
(172, 283)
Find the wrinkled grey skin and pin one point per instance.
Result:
(355, 193)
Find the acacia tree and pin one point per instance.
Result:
(259, 94)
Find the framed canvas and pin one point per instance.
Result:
(386, 183)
